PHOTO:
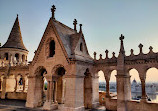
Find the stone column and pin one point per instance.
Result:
(23, 82)
(16, 82)
(144, 96)
(3, 88)
(107, 87)
(63, 90)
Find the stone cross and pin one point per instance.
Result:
(122, 37)
(141, 47)
(53, 11)
(122, 46)
(75, 23)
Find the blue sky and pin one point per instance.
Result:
(103, 22)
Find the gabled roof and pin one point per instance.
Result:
(15, 37)
(65, 33)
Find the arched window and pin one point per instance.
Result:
(81, 47)
(6, 56)
(23, 58)
(17, 57)
(51, 48)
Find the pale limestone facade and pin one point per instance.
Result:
(62, 59)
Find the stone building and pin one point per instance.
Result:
(62, 59)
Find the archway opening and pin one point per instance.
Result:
(87, 89)
(81, 47)
(102, 82)
(113, 84)
(17, 57)
(136, 89)
(151, 85)
(23, 58)
(60, 83)
(41, 94)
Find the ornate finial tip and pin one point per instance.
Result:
(122, 37)
(17, 15)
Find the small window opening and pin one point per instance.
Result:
(81, 47)
(51, 48)
(17, 57)
(20, 81)
(6, 56)
(23, 58)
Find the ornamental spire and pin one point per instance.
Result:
(80, 28)
(53, 11)
(122, 46)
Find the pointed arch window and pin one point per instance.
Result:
(81, 47)
(51, 48)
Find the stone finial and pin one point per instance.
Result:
(75, 23)
(122, 46)
(140, 47)
(53, 11)
(106, 52)
(132, 52)
(113, 54)
(100, 56)
(150, 49)
(95, 55)
(80, 28)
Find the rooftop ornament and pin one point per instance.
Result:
(140, 48)
(75, 23)
(80, 28)
(122, 46)
(106, 52)
(53, 11)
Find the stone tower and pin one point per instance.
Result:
(14, 51)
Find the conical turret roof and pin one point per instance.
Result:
(15, 37)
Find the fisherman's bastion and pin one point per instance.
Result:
(62, 59)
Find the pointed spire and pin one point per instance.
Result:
(53, 11)
(15, 37)
(122, 46)
(80, 28)
(95, 55)
(75, 23)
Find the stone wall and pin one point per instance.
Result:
(142, 106)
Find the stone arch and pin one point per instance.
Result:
(56, 68)
(150, 84)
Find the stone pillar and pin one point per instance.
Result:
(74, 97)
(63, 90)
(3, 93)
(95, 90)
(23, 82)
(144, 96)
(107, 87)
(16, 82)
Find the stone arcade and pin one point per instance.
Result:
(62, 59)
